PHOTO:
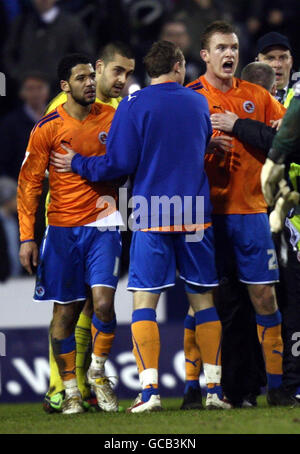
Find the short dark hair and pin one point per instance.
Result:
(108, 52)
(218, 26)
(259, 73)
(161, 58)
(68, 62)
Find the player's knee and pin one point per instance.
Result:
(264, 299)
(64, 319)
(104, 309)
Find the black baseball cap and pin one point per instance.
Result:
(272, 39)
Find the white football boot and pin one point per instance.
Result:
(102, 387)
(138, 406)
(213, 402)
(72, 405)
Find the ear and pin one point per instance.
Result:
(99, 66)
(273, 89)
(64, 85)
(177, 67)
(204, 54)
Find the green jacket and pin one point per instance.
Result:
(287, 138)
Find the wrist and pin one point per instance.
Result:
(276, 156)
(236, 125)
(74, 161)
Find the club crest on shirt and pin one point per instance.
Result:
(102, 137)
(248, 106)
(40, 291)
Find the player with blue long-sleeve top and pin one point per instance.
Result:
(159, 136)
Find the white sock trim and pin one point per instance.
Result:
(149, 377)
(98, 362)
(71, 387)
(212, 373)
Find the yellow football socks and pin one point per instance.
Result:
(83, 339)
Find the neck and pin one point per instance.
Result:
(221, 84)
(102, 97)
(282, 87)
(76, 110)
(163, 79)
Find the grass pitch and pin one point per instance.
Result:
(31, 419)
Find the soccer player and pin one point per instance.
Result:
(75, 253)
(240, 220)
(163, 131)
(113, 68)
(232, 297)
(247, 130)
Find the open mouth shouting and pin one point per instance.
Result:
(228, 66)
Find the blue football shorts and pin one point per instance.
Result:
(155, 257)
(247, 238)
(72, 258)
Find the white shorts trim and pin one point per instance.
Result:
(150, 288)
(59, 302)
(264, 282)
(197, 283)
(112, 220)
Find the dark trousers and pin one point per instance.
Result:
(288, 295)
(243, 370)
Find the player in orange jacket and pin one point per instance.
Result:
(113, 68)
(240, 219)
(74, 253)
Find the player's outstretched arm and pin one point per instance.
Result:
(95, 168)
(122, 152)
(224, 121)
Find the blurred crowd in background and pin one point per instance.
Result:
(35, 34)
